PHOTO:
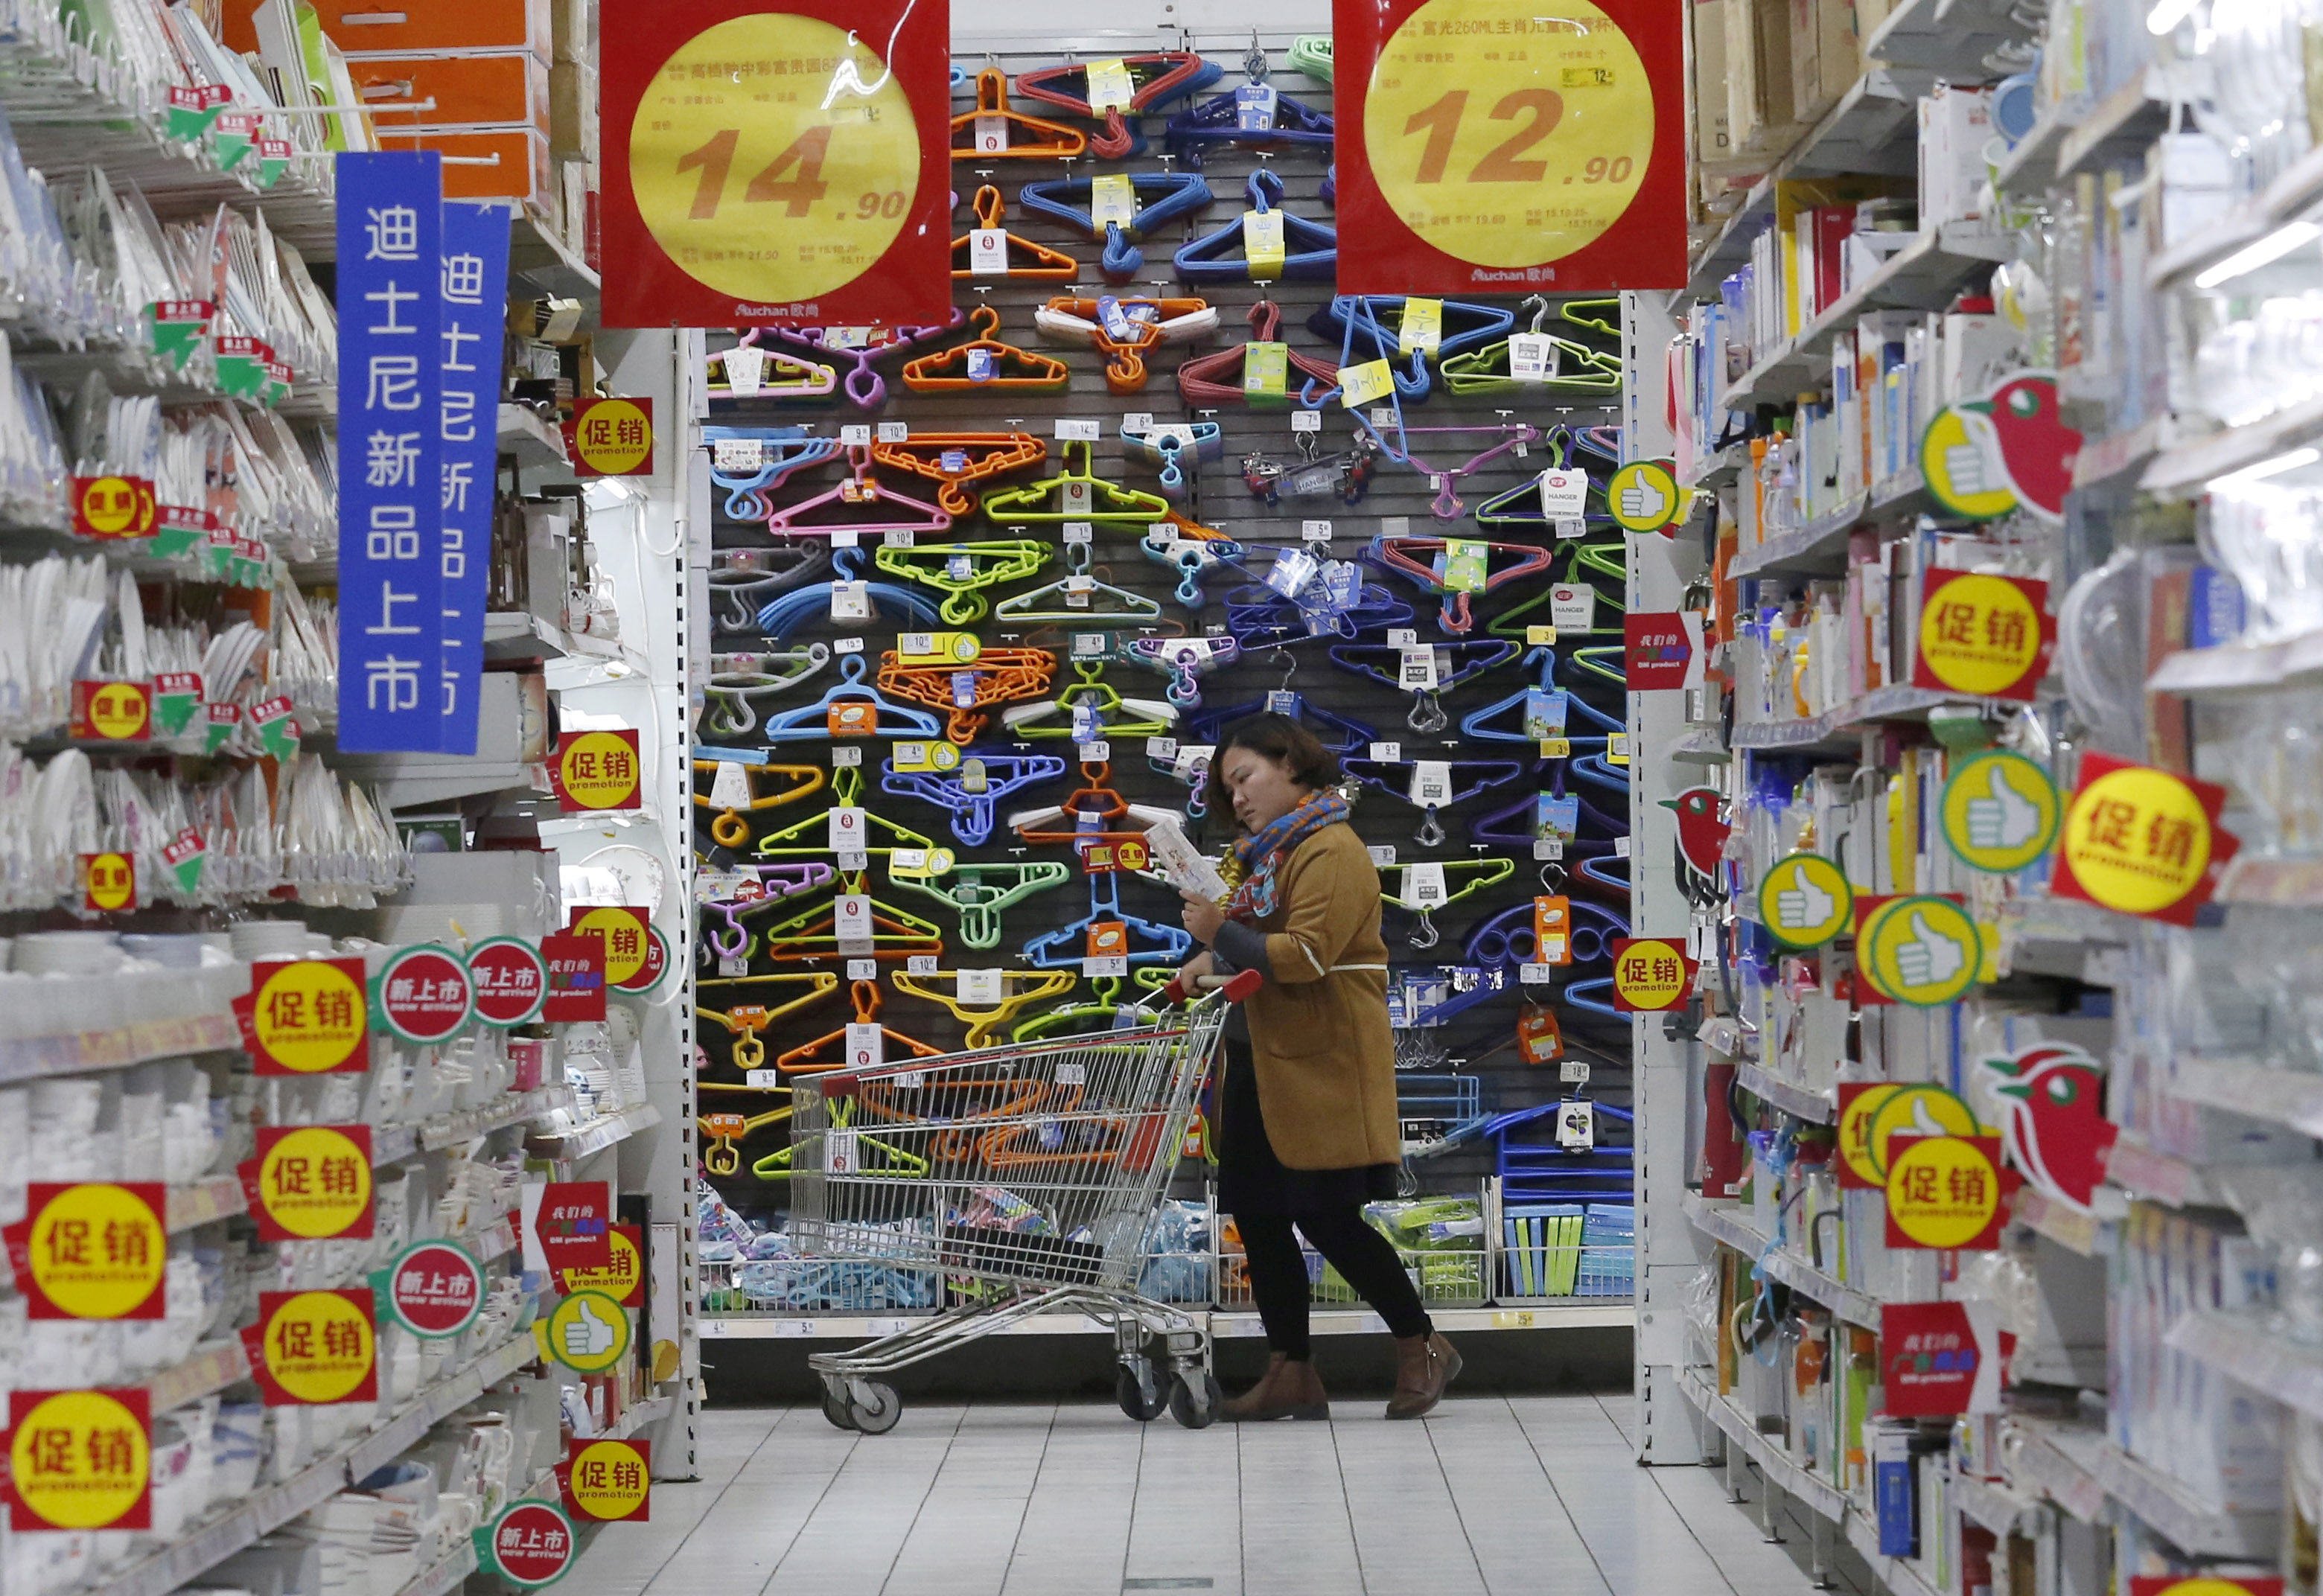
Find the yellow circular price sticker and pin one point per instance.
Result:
(1943, 1191)
(2138, 840)
(773, 157)
(587, 1331)
(2000, 812)
(118, 711)
(618, 1279)
(98, 1251)
(597, 770)
(1979, 634)
(624, 935)
(314, 1182)
(1804, 901)
(609, 1480)
(1644, 496)
(1858, 1107)
(1923, 950)
(1508, 139)
(613, 436)
(1649, 974)
(310, 1015)
(1925, 1109)
(109, 882)
(320, 1347)
(81, 1460)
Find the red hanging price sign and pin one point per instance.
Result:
(576, 978)
(609, 1482)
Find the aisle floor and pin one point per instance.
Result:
(1494, 1495)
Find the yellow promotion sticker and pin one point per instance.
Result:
(1649, 974)
(109, 882)
(599, 770)
(1508, 151)
(1644, 496)
(96, 1251)
(1804, 901)
(79, 1460)
(308, 1016)
(1923, 1109)
(1979, 634)
(320, 1347)
(1859, 1106)
(609, 1480)
(618, 1279)
(109, 505)
(2138, 840)
(613, 436)
(624, 934)
(1364, 381)
(1923, 950)
(775, 197)
(118, 711)
(587, 1331)
(1943, 1191)
(314, 1181)
(2000, 812)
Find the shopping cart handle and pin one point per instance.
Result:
(1237, 987)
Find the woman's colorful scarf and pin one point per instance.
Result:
(1259, 853)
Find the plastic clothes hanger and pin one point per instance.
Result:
(1090, 711)
(742, 575)
(1254, 113)
(1507, 939)
(1185, 661)
(1371, 326)
(1455, 662)
(985, 1020)
(729, 829)
(1073, 201)
(747, 1020)
(978, 893)
(883, 508)
(1173, 447)
(986, 365)
(1104, 1012)
(1311, 53)
(1261, 617)
(852, 709)
(793, 610)
(968, 691)
(1587, 559)
(776, 884)
(907, 851)
(874, 1156)
(1193, 550)
(1577, 367)
(962, 570)
(1209, 380)
(955, 459)
(1480, 873)
(1076, 494)
(865, 388)
(1404, 556)
(1481, 775)
(1078, 598)
(768, 375)
(735, 679)
(1045, 264)
(808, 1058)
(1305, 251)
(994, 133)
(1124, 329)
(1068, 945)
(1335, 731)
(750, 461)
(1515, 436)
(1154, 80)
(971, 792)
(814, 932)
(1094, 811)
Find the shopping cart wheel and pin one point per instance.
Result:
(1140, 1389)
(877, 1416)
(835, 1407)
(1193, 1409)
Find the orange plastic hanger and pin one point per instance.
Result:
(804, 1059)
(1047, 265)
(984, 364)
(955, 459)
(994, 133)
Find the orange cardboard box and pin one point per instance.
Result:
(507, 88)
(371, 27)
(515, 162)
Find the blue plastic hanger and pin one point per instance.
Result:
(1065, 947)
(812, 722)
(1068, 200)
(782, 451)
(1483, 775)
(1261, 617)
(1335, 731)
(1173, 446)
(972, 812)
(1364, 336)
(1469, 659)
(1311, 249)
(1193, 558)
(795, 608)
(1254, 113)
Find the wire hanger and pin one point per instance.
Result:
(1403, 555)
(1338, 733)
(1074, 203)
(1046, 265)
(971, 792)
(1515, 436)
(1573, 366)
(743, 574)
(861, 489)
(776, 884)
(1208, 380)
(986, 365)
(1480, 873)
(1521, 703)
(1455, 662)
(996, 133)
(1077, 598)
(955, 459)
(1155, 79)
(1122, 329)
(1261, 617)
(852, 709)
(1255, 112)
(1304, 250)
(745, 1022)
(967, 692)
(1427, 791)
(1076, 494)
(1370, 327)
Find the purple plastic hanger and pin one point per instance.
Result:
(863, 385)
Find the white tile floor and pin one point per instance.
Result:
(1494, 1496)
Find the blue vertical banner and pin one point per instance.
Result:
(391, 479)
(475, 310)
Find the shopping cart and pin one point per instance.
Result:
(1028, 1175)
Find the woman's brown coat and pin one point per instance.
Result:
(1325, 1056)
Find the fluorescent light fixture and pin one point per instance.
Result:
(2167, 15)
(2290, 460)
(2276, 245)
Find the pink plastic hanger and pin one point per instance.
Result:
(861, 489)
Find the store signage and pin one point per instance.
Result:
(112, 507)
(1804, 901)
(530, 1544)
(2143, 841)
(1944, 1192)
(1872, 1113)
(1984, 635)
(571, 1226)
(309, 1016)
(596, 771)
(108, 882)
(2205, 1584)
(2055, 1129)
(111, 711)
(1922, 949)
(310, 1183)
(621, 1277)
(648, 975)
(1934, 1363)
(426, 995)
(436, 1289)
(587, 1332)
(392, 544)
(626, 936)
(1484, 149)
(576, 978)
(1859, 1101)
(1999, 812)
(612, 438)
(510, 978)
(786, 168)
(1662, 649)
(92, 1250)
(79, 1460)
(475, 306)
(1650, 975)
(314, 1348)
(609, 1481)
(1644, 496)
(2006, 451)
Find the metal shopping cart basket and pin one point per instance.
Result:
(1029, 1175)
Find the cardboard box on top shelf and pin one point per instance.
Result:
(459, 27)
(1713, 139)
(1759, 113)
(504, 89)
(493, 163)
(1825, 57)
(572, 111)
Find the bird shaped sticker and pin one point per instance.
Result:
(1701, 843)
(2008, 450)
(2056, 1132)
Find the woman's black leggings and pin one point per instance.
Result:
(1366, 1259)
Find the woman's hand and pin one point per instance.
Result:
(1195, 969)
(1202, 918)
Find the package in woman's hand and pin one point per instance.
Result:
(1183, 864)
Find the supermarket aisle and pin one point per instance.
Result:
(1525, 1496)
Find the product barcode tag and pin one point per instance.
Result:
(979, 987)
(730, 787)
(987, 251)
(920, 964)
(850, 918)
(1116, 965)
(862, 969)
(1071, 1072)
(1431, 783)
(1537, 975)
(1076, 429)
(1306, 421)
(838, 1154)
(991, 134)
(867, 1045)
(737, 453)
(1573, 605)
(855, 435)
(1423, 886)
(1315, 531)
(1564, 492)
(1383, 855)
(1574, 1071)
(1532, 357)
(1080, 531)
(895, 432)
(1418, 672)
(745, 372)
(1386, 753)
(731, 967)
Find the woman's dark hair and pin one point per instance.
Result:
(1273, 736)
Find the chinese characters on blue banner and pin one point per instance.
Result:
(391, 589)
(475, 290)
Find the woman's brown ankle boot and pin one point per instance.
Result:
(1287, 1390)
(1424, 1366)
